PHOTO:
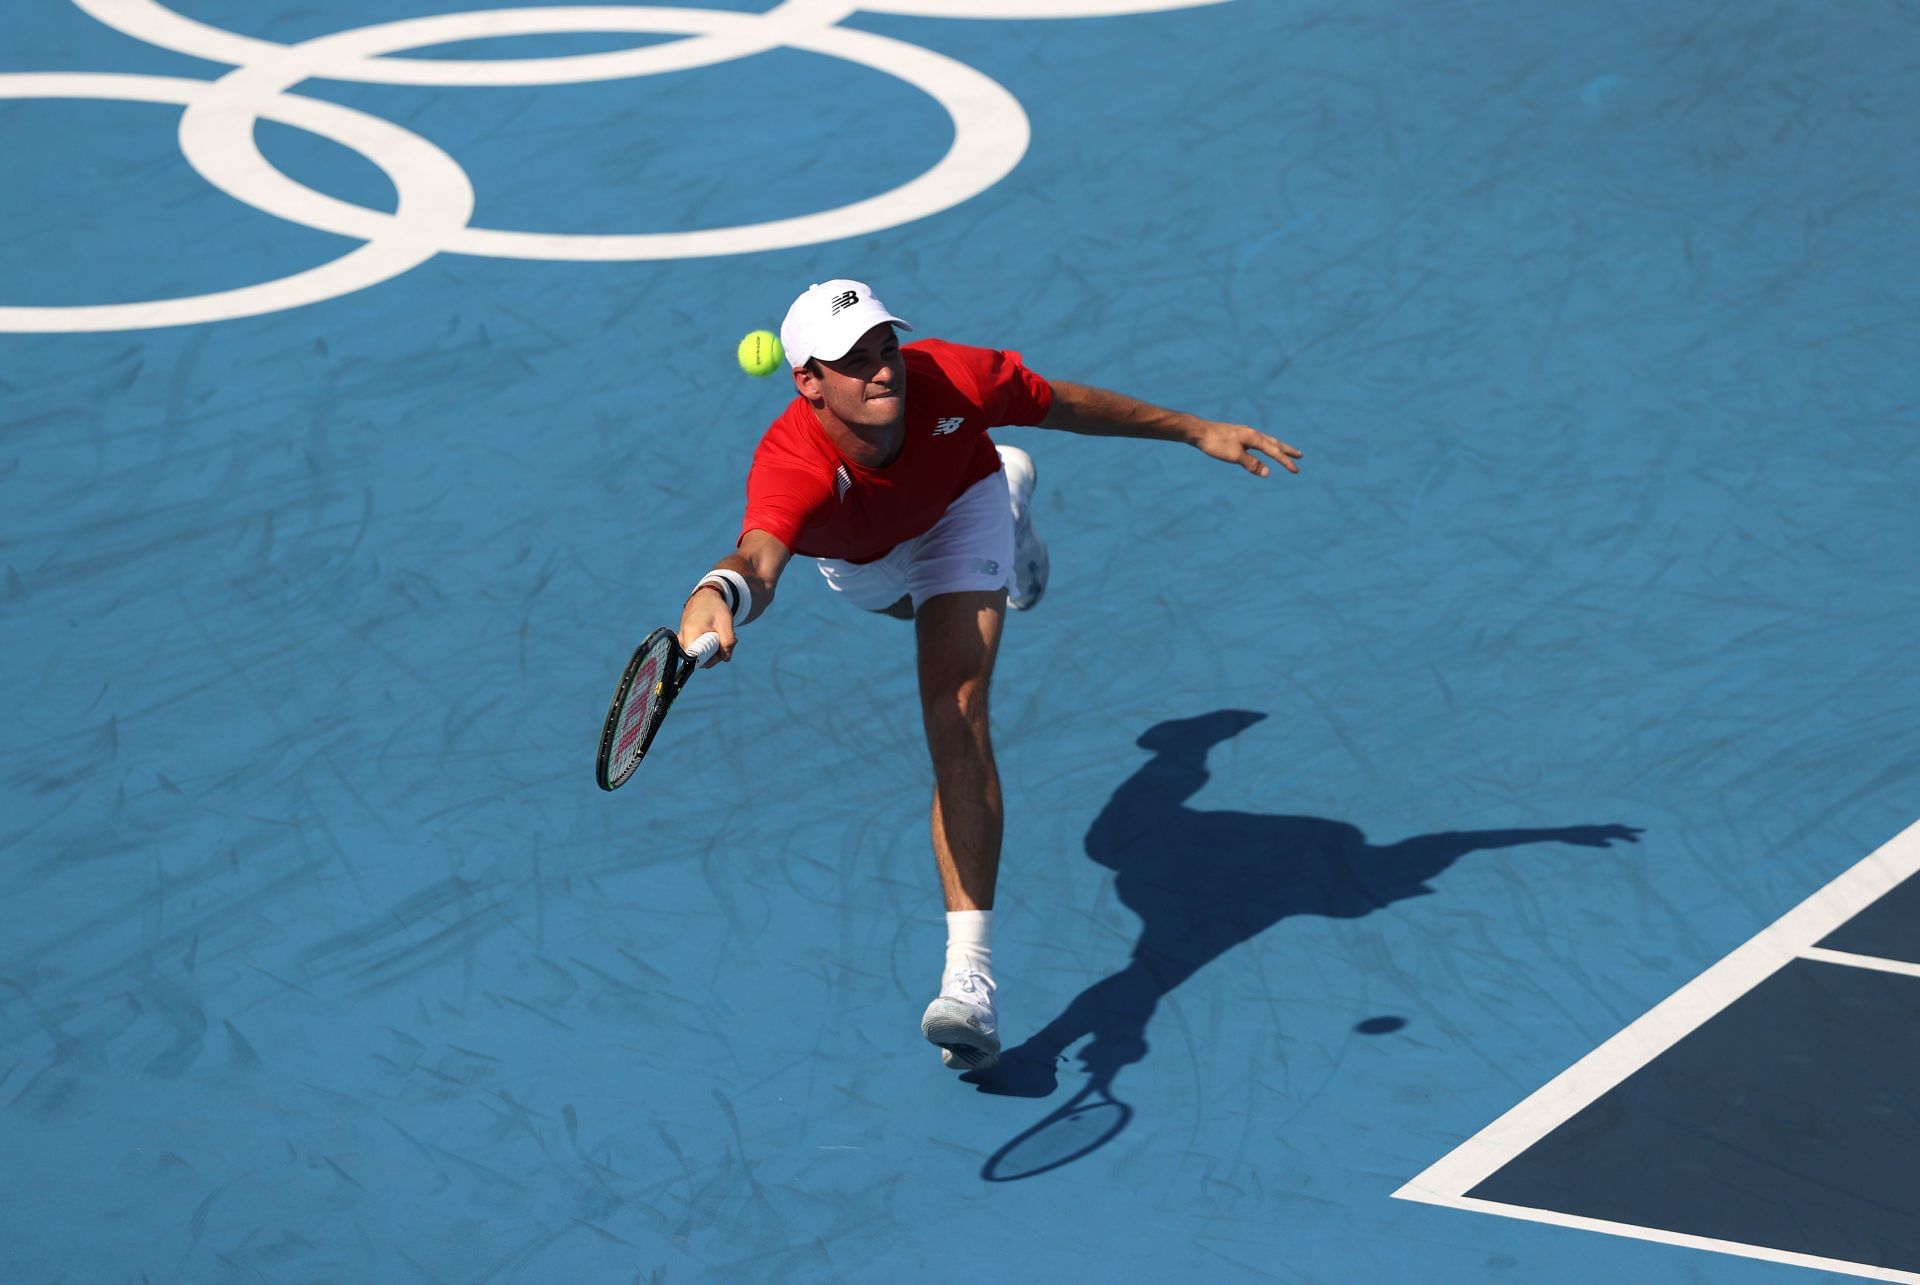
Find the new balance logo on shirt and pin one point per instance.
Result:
(948, 425)
(842, 482)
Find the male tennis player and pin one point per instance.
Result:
(881, 470)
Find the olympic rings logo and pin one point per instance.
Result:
(435, 196)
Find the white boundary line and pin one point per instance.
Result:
(1792, 936)
(1677, 1238)
(1851, 960)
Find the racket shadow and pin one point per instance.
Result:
(1091, 1119)
(1202, 882)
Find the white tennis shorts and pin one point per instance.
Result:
(969, 549)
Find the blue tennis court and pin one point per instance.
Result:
(1485, 856)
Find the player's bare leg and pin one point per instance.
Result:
(958, 635)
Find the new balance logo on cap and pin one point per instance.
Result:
(841, 302)
(948, 425)
(842, 481)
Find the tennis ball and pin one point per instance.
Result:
(760, 353)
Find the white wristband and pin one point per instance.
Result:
(733, 587)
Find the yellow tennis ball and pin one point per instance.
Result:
(760, 353)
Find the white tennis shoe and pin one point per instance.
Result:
(1029, 579)
(962, 1021)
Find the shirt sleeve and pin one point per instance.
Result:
(782, 496)
(1009, 393)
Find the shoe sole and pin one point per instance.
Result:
(1035, 566)
(963, 1044)
(1036, 569)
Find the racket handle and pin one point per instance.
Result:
(704, 647)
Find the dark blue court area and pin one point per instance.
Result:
(1786, 1123)
(368, 391)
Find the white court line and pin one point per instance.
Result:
(1679, 1238)
(1851, 960)
(1447, 1181)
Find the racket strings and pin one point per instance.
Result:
(640, 714)
(653, 677)
(636, 716)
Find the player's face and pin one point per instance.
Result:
(867, 387)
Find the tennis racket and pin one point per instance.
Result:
(655, 675)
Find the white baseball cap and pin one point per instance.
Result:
(827, 320)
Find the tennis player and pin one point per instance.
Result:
(881, 470)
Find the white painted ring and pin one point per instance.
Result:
(435, 200)
(155, 24)
(991, 133)
(745, 35)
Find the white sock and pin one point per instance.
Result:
(970, 941)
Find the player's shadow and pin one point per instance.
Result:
(1202, 882)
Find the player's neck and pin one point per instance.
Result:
(868, 447)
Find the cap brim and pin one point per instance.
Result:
(854, 337)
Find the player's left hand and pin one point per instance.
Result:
(1238, 444)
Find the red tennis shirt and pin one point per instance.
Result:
(805, 494)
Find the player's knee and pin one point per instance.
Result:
(957, 713)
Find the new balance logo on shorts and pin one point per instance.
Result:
(841, 302)
(948, 425)
(842, 482)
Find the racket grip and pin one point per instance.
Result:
(704, 647)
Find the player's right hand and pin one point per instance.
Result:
(706, 613)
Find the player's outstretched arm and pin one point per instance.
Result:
(1080, 408)
(758, 561)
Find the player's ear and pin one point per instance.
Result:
(806, 380)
